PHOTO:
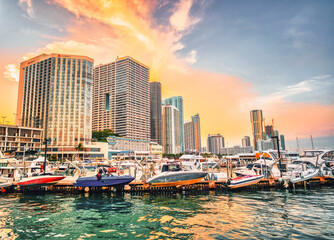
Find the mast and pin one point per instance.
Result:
(297, 144)
(46, 122)
(312, 143)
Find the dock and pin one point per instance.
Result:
(142, 187)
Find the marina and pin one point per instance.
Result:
(189, 173)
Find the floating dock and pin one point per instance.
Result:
(139, 187)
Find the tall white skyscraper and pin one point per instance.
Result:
(121, 98)
(171, 129)
(55, 90)
(178, 103)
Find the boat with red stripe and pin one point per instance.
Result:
(40, 180)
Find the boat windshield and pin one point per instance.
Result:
(312, 153)
(174, 167)
(250, 166)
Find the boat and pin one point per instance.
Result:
(173, 175)
(106, 180)
(266, 165)
(39, 180)
(244, 181)
(5, 182)
(304, 176)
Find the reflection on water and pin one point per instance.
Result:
(238, 215)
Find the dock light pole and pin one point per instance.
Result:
(279, 153)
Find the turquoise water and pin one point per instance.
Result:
(276, 214)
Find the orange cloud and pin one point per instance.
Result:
(12, 72)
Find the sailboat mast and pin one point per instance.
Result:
(312, 143)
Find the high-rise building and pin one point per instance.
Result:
(55, 91)
(189, 137)
(275, 145)
(246, 141)
(197, 132)
(215, 143)
(170, 129)
(121, 98)
(282, 142)
(269, 129)
(156, 116)
(257, 126)
(192, 134)
(178, 103)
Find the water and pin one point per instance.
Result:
(276, 214)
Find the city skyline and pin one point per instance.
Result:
(290, 78)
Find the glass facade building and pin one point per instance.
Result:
(156, 116)
(121, 99)
(215, 143)
(192, 134)
(178, 103)
(257, 126)
(55, 91)
(171, 129)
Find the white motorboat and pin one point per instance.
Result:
(244, 181)
(5, 182)
(173, 175)
(266, 165)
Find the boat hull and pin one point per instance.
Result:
(305, 178)
(110, 181)
(244, 181)
(5, 183)
(176, 179)
(39, 181)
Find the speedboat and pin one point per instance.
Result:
(299, 171)
(244, 181)
(5, 182)
(173, 175)
(39, 180)
(266, 165)
(105, 180)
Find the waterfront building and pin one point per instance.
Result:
(121, 99)
(189, 137)
(20, 139)
(171, 129)
(269, 130)
(55, 92)
(92, 151)
(192, 134)
(246, 141)
(236, 150)
(257, 126)
(156, 116)
(264, 145)
(215, 143)
(156, 150)
(282, 139)
(178, 103)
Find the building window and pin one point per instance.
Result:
(107, 101)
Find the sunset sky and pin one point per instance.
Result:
(224, 57)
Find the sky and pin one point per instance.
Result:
(224, 58)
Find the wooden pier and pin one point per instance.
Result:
(141, 187)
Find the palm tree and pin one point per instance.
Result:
(80, 148)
